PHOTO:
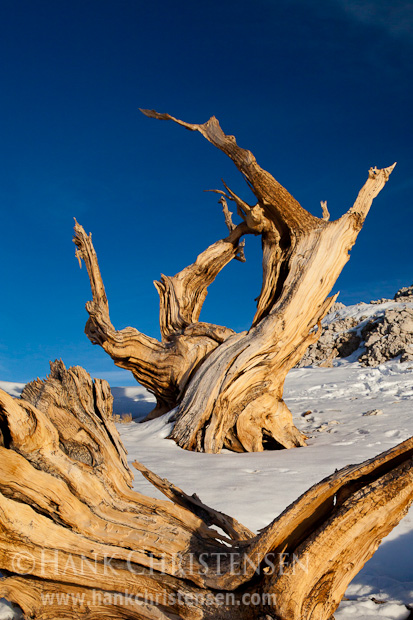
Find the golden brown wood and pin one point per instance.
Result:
(226, 388)
(76, 541)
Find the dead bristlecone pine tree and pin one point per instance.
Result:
(77, 543)
(226, 388)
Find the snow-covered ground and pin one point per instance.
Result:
(366, 311)
(255, 488)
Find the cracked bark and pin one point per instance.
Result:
(77, 542)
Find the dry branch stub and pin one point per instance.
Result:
(226, 389)
(76, 541)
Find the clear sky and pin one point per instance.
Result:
(318, 90)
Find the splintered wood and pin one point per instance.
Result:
(226, 389)
(77, 542)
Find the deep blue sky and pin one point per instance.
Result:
(319, 91)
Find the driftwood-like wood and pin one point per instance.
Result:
(76, 542)
(226, 388)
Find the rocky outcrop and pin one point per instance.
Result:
(405, 294)
(338, 339)
(385, 336)
(388, 337)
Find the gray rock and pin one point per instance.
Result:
(404, 294)
(388, 337)
(338, 339)
(337, 305)
(385, 337)
(348, 343)
(383, 300)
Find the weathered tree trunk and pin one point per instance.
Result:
(76, 542)
(227, 388)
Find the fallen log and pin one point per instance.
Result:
(77, 542)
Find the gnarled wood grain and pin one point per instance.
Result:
(226, 388)
(76, 542)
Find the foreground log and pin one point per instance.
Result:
(76, 541)
(227, 388)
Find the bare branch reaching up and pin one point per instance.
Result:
(226, 388)
(240, 255)
(279, 204)
(326, 213)
(376, 181)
